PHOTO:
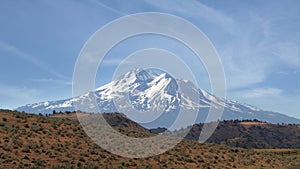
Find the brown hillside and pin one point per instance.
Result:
(32, 141)
(252, 134)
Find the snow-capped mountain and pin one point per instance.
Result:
(146, 91)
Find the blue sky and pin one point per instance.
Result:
(258, 43)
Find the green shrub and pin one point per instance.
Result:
(26, 149)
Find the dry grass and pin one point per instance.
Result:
(32, 141)
(253, 123)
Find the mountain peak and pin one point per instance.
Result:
(156, 90)
(137, 75)
(144, 75)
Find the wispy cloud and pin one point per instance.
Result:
(17, 92)
(6, 47)
(257, 49)
(111, 62)
(51, 80)
(269, 98)
(288, 52)
(116, 62)
(241, 71)
(260, 92)
(10, 95)
(108, 7)
(196, 9)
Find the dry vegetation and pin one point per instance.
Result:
(33, 141)
(252, 134)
